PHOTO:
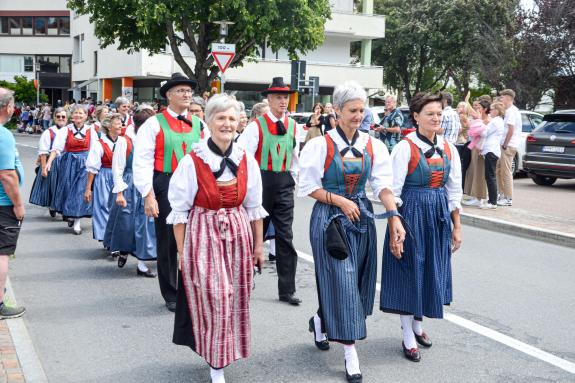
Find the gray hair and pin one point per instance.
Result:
(348, 91)
(78, 107)
(199, 101)
(242, 106)
(121, 101)
(391, 96)
(6, 97)
(99, 110)
(258, 109)
(220, 103)
(107, 122)
(60, 110)
(143, 106)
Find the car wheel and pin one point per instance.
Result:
(543, 180)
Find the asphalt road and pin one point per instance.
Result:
(92, 322)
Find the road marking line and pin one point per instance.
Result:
(492, 334)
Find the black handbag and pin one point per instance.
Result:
(335, 240)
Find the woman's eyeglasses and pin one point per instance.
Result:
(61, 117)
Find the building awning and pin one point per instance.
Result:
(83, 84)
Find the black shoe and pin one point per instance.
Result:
(122, 259)
(148, 274)
(355, 378)
(291, 299)
(324, 344)
(171, 306)
(52, 213)
(70, 222)
(423, 340)
(411, 354)
(272, 257)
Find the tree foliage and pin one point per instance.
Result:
(294, 25)
(24, 90)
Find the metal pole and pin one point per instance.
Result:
(222, 77)
(38, 82)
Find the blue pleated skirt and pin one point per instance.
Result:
(41, 193)
(346, 288)
(103, 184)
(420, 283)
(129, 229)
(72, 179)
(53, 182)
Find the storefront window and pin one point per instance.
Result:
(65, 64)
(28, 64)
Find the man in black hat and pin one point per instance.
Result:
(273, 140)
(161, 142)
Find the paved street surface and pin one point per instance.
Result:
(92, 322)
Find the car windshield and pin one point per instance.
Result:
(557, 127)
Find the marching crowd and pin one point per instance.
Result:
(198, 188)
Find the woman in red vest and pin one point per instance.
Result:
(216, 200)
(427, 186)
(74, 143)
(99, 168)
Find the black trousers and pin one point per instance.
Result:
(465, 157)
(490, 178)
(278, 200)
(166, 247)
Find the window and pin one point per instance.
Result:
(52, 26)
(77, 53)
(65, 64)
(3, 25)
(40, 26)
(27, 26)
(64, 22)
(95, 63)
(527, 127)
(9, 63)
(14, 25)
(28, 64)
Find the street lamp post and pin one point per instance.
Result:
(37, 75)
(223, 33)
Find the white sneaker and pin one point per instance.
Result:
(487, 206)
(504, 202)
(471, 202)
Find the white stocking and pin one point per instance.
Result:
(217, 375)
(408, 336)
(351, 359)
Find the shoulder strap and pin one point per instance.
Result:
(415, 156)
(369, 148)
(447, 149)
(330, 152)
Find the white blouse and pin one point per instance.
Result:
(400, 157)
(250, 139)
(493, 135)
(184, 183)
(144, 150)
(314, 154)
(44, 143)
(94, 160)
(62, 136)
(119, 165)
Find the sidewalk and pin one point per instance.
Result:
(10, 369)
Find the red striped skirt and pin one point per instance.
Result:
(217, 275)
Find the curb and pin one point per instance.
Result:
(526, 231)
(29, 361)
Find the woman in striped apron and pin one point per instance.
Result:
(427, 186)
(216, 200)
(334, 170)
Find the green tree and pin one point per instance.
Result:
(294, 25)
(24, 90)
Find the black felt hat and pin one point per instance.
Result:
(278, 86)
(177, 79)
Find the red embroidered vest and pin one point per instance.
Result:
(108, 154)
(76, 145)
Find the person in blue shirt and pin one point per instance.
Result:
(367, 121)
(11, 203)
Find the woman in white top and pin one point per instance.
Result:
(216, 200)
(334, 170)
(44, 186)
(492, 151)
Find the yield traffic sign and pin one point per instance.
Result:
(223, 55)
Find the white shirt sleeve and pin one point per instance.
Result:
(294, 167)
(93, 134)
(94, 160)
(119, 165)
(144, 149)
(453, 185)
(253, 201)
(60, 140)
(381, 170)
(249, 139)
(44, 143)
(182, 191)
(312, 165)
(400, 157)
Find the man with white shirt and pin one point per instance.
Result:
(161, 142)
(450, 124)
(509, 143)
(273, 140)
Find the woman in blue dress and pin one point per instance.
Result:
(99, 168)
(129, 230)
(427, 187)
(334, 170)
(44, 185)
(73, 142)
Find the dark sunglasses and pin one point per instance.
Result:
(60, 116)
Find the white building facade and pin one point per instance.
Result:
(35, 43)
(108, 73)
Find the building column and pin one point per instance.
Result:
(366, 44)
(107, 89)
(128, 88)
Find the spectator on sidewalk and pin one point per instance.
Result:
(46, 116)
(509, 143)
(475, 186)
(390, 129)
(11, 203)
(367, 121)
(492, 152)
(450, 124)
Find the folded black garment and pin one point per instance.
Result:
(335, 240)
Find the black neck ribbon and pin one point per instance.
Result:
(79, 131)
(281, 129)
(112, 141)
(429, 153)
(226, 160)
(356, 153)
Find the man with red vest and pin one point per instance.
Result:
(161, 142)
(273, 140)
